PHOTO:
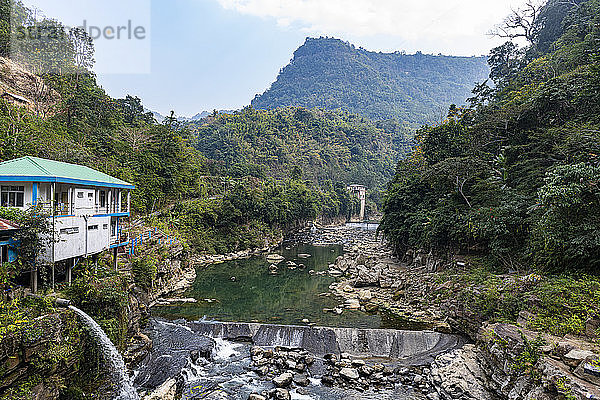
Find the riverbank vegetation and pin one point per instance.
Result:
(254, 214)
(514, 176)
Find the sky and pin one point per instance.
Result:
(196, 55)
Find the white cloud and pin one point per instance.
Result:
(449, 26)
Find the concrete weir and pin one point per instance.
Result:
(406, 347)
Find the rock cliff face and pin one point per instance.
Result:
(41, 358)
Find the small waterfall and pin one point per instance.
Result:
(112, 357)
(409, 347)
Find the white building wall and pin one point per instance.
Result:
(79, 232)
(79, 236)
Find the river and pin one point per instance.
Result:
(246, 291)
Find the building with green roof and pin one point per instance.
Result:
(86, 207)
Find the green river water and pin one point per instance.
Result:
(245, 291)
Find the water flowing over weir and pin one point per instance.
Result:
(405, 347)
(114, 361)
(214, 357)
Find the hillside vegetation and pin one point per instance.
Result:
(317, 145)
(332, 74)
(515, 175)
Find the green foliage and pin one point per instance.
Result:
(144, 270)
(102, 293)
(13, 318)
(29, 241)
(527, 360)
(566, 303)
(250, 213)
(331, 74)
(568, 226)
(559, 305)
(563, 387)
(514, 176)
(320, 146)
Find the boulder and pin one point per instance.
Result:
(255, 396)
(352, 304)
(589, 370)
(365, 295)
(281, 394)
(458, 374)
(301, 379)
(576, 356)
(275, 258)
(283, 380)
(349, 373)
(166, 391)
(367, 277)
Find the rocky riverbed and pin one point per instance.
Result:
(502, 361)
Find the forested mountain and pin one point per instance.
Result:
(331, 74)
(322, 146)
(515, 175)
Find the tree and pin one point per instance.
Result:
(567, 230)
(83, 51)
(521, 23)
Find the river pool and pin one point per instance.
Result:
(245, 291)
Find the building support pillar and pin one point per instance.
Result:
(34, 280)
(115, 258)
(70, 263)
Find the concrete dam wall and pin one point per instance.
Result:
(407, 347)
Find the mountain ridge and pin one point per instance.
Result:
(332, 74)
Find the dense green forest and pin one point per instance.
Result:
(317, 145)
(254, 213)
(515, 175)
(332, 74)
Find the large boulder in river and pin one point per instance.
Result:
(172, 346)
(283, 380)
(367, 276)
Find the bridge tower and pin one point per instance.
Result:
(359, 192)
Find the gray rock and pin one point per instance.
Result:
(366, 277)
(281, 394)
(255, 396)
(574, 357)
(301, 379)
(366, 370)
(349, 373)
(458, 374)
(283, 380)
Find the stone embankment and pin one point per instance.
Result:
(503, 362)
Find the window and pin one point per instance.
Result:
(69, 231)
(105, 226)
(93, 228)
(90, 195)
(102, 198)
(12, 196)
(80, 195)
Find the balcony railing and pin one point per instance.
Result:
(62, 209)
